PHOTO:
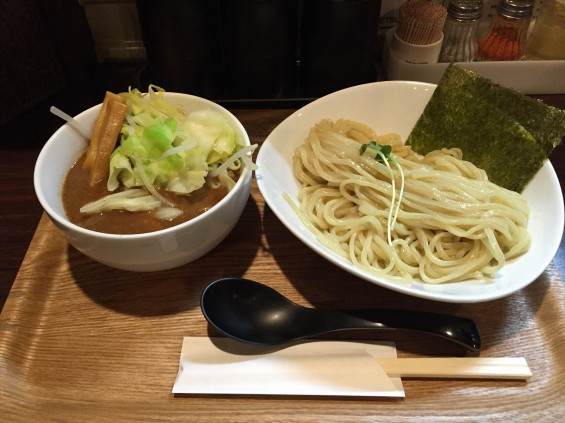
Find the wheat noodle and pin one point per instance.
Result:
(453, 224)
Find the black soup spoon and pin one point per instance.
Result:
(255, 313)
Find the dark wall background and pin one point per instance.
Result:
(246, 51)
(259, 49)
(44, 46)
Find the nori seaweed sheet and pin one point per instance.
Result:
(500, 130)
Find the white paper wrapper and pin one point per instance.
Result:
(337, 368)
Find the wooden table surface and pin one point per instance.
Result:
(83, 342)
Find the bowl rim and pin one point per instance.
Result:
(243, 180)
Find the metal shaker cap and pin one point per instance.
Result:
(465, 10)
(516, 9)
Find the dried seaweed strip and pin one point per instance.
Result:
(500, 130)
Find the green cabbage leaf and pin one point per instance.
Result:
(163, 147)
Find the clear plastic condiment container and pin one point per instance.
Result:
(460, 31)
(506, 38)
(547, 41)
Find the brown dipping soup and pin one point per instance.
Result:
(77, 192)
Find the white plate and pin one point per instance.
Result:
(395, 106)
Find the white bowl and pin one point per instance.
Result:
(395, 106)
(160, 250)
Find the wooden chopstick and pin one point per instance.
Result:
(457, 367)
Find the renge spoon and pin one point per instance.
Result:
(255, 313)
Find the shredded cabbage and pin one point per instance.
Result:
(131, 200)
(163, 147)
(168, 213)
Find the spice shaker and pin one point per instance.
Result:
(506, 38)
(460, 40)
